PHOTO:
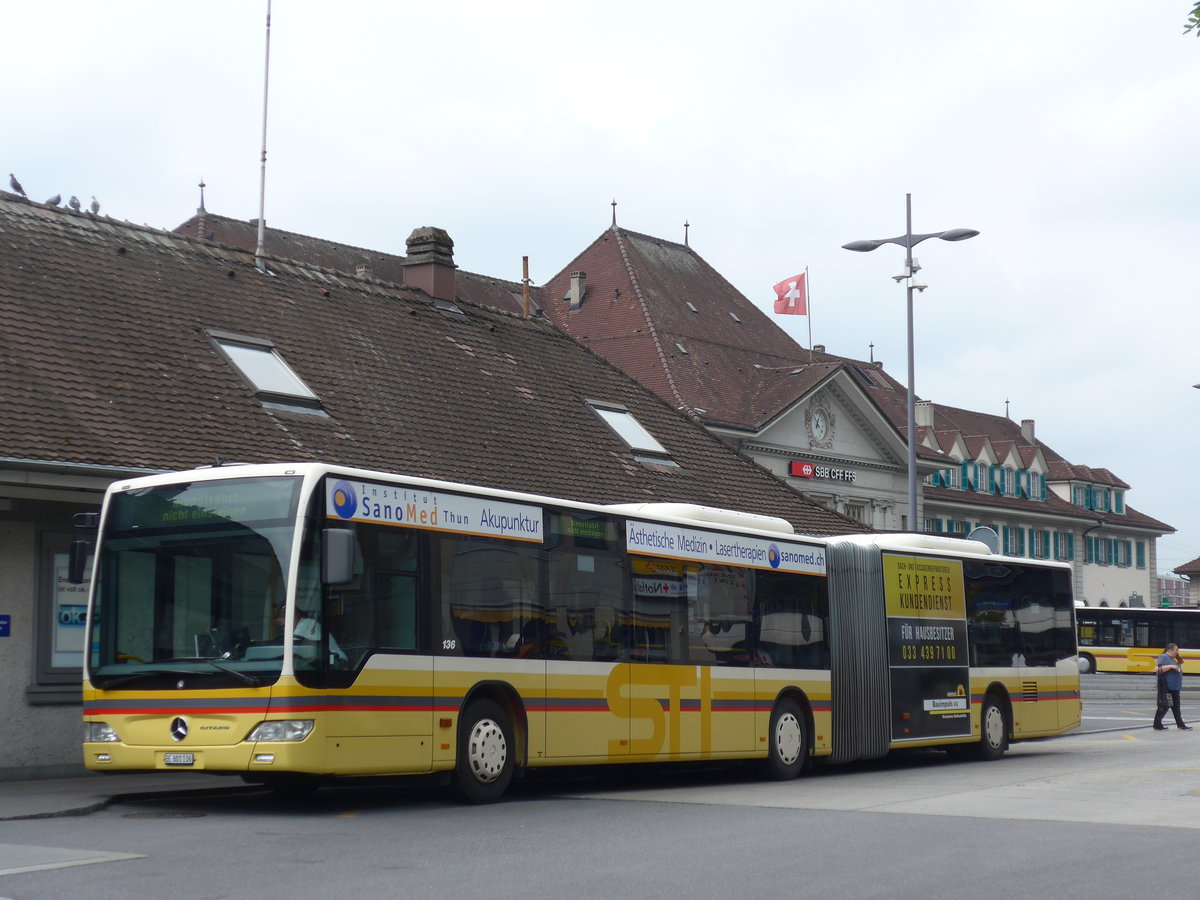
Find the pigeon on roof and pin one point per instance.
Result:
(74, 203)
(55, 200)
(16, 185)
(95, 207)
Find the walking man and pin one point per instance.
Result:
(1170, 682)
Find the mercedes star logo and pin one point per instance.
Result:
(178, 729)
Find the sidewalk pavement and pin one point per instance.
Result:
(75, 796)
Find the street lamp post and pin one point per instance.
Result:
(908, 240)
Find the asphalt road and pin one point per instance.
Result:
(1105, 812)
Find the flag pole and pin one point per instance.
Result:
(808, 299)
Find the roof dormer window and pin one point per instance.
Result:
(645, 446)
(260, 363)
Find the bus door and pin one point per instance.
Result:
(1044, 647)
(378, 671)
(692, 684)
(587, 621)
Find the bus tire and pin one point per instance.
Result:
(787, 741)
(485, 763)
(1087, 664)
(993, 730)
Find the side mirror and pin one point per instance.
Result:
(77, 563)
(337, 556)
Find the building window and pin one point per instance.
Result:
(1037, 547)
(858, 512)
(273, 380)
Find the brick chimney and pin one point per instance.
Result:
(923, 410)
(577, 290)
(430, 263)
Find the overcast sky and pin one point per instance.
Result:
(1066, 132)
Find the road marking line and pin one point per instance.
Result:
(37, 859)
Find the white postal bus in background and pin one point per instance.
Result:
(293, 623)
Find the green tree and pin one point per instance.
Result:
(1193, 22)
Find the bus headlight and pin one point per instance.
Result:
(99, 733)
(286, 730)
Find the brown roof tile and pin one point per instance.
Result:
(380, 266)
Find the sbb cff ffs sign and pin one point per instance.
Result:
(800, 469)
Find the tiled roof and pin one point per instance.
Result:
(1005, 436)
(1188, 568)
(104, 361)
(388, 267)
(661, 313)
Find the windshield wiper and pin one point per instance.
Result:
(134, 676)
(146, 673)
(240, 676)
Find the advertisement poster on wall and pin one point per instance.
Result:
(70, 613)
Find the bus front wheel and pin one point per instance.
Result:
(485, 753)
(993, 730)
(788, 741)
(1087, 664)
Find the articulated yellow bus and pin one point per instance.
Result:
(1121, 639)
(292, 623)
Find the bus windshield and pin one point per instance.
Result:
(190, 582)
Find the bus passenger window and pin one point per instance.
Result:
(585, 597)
(491, 603)
(720, 623)
(791, 618)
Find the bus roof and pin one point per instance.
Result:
(682, 512)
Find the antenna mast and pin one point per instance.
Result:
(260, 251)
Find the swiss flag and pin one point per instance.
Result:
(791, 296)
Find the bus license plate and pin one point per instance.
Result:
(179, 759)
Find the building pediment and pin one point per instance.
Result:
(834, 423)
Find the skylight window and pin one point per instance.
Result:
(628, 428)
(273, 380)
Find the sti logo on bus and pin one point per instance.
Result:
(345, 501)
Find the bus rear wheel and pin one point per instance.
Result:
(1087, 664)
(993, 730)
(788, 741)
(485, 753)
